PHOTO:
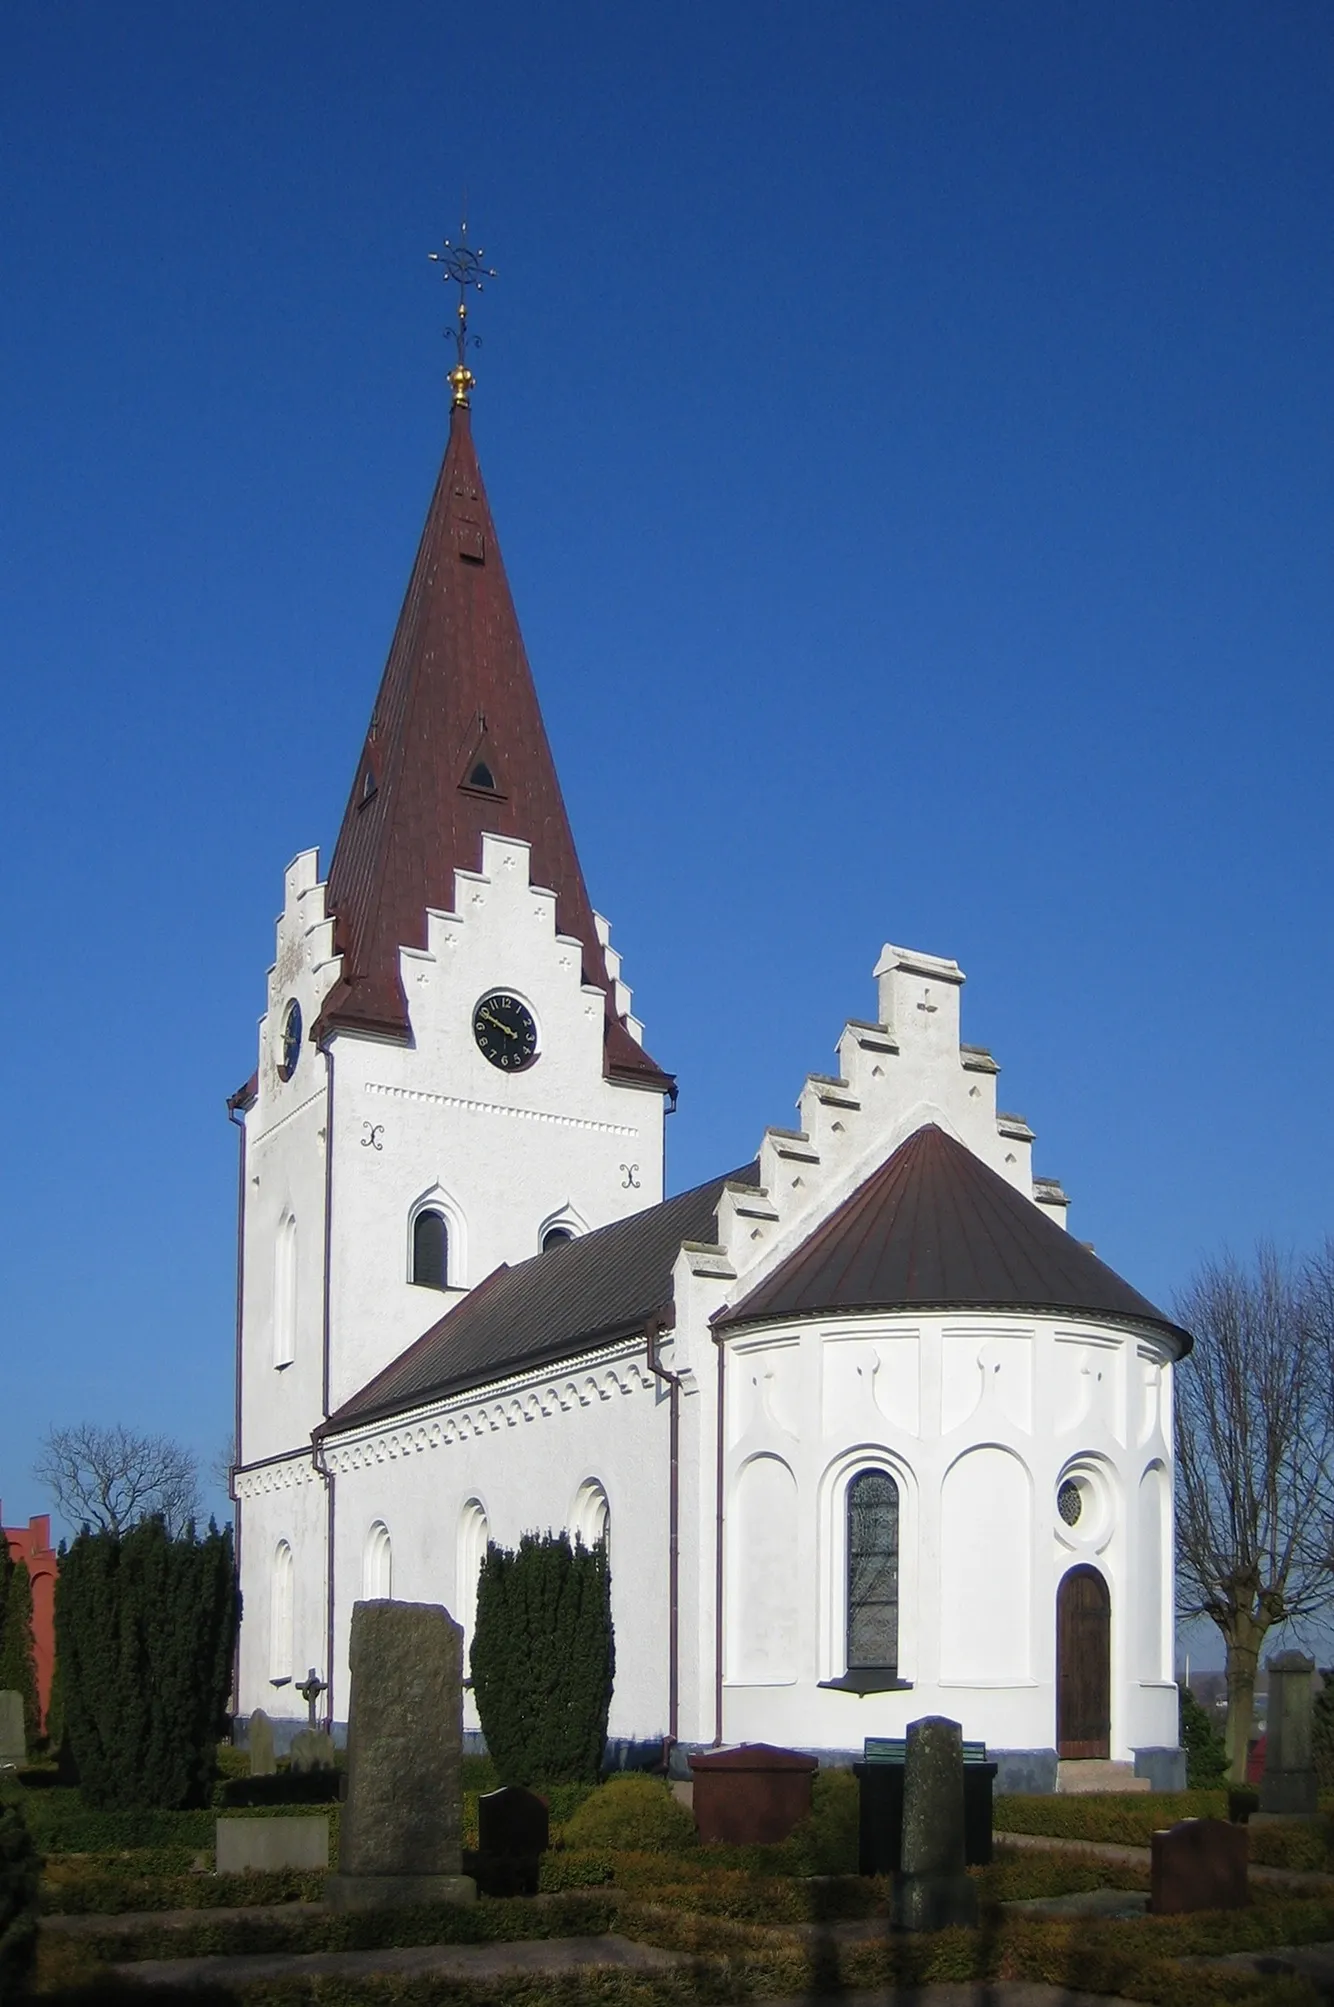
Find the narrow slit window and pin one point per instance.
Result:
(873, 1572)
(430, 1251)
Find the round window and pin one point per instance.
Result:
(1070, 1502)
(291, 1041)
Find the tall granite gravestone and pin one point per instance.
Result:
(401, 1832)
(13, 1737)
(1289, 1781)
(933, 1889)
(259, 1742)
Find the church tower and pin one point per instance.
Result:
(450, 1076)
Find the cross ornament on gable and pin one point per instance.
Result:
(310, 1690)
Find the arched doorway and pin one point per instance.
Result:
(1083, 1665)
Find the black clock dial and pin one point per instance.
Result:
(291, 1041)
(505, 1032)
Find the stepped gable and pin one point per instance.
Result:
(935, 1228)
(580, 1293)
(456, 747)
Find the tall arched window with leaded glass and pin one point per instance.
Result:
(873, 1572)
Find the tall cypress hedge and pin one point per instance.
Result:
(144, 1631)
(543, 1658)
(18, 1662)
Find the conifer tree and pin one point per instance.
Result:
(543, 1658)
(144, 1632)
(18, 1664)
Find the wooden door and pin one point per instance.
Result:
(1083, 1665)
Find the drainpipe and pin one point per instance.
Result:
(322, 1469)
(232, 1116)
(653, 1331)
(719, 1475)
(317, 1448)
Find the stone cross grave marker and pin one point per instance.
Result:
(401, 1832)
(259, 1742)
(1289, 1782)
(933, 1890)
(13, 1737)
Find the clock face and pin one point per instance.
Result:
(291, 1041)
(505, 1032)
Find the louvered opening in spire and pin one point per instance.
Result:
(456, 748)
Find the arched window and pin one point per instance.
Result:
(430, 1250)
(284, 1292)
(377, 1573)
(282, 1614)
(590, 1521)
(482, 776)
(873, 1572)
(473, 1535)
(554, 1235)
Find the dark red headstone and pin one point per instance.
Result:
(1199, 1864)
(753, 1795)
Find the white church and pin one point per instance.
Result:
(869, 1435)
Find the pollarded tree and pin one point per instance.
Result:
(543, 1658)
(1254, 1462)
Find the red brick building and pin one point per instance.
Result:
(32, 1543)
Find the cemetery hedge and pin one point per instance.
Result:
(543, 1658)
(631, 1812)
(145, 1626)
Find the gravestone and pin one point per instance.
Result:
(754, 1795)
(311, 1749)
(259, 1742)
(513, 1833)
(13, 1737)
(401, 1831)
(1288, 1785)
(1199, 1864)
(244, 1846)
(933, 1890)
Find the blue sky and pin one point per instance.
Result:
(909, 429)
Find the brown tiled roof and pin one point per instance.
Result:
(936, 1228)
(580, 1293)
(457, 697)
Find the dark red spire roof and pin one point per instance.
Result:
(936, 1228)
(456, 747)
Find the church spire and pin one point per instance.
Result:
(456, 747)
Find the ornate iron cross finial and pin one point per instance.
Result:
(463, 267)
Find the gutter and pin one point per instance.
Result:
(653, 1332)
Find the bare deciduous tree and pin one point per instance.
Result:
(1255, 1461)
(111, 1478)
